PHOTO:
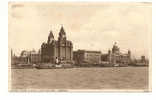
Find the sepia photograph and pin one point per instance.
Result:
(79, 46)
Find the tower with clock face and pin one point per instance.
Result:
(61, 48)
(62, 35)
(65, 46)
(50, 38)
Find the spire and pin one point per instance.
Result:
(62, 34)
(50, 37)
(51, 34)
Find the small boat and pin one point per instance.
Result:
(123, 65)
(116, 65)
(58, 66)
(45, 66)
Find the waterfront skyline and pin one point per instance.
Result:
(91, 26)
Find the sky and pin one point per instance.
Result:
(90, 26)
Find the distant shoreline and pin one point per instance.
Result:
(45, 67)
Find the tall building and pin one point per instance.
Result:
(61, 49)
(35, 57)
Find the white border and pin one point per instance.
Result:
(4, 94)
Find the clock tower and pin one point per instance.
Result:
(61, 48)
(50, 38)
(62, 35)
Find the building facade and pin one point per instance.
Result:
(90, 57)
(35, 57)
(30, 57)
(24, 57)
(114, 56)
(14, 59)
(143, 61)
(61, 49)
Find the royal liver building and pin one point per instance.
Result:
(61, 49)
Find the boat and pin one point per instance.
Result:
(45, 66)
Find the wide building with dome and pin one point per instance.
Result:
(114, 56)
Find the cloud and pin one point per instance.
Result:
(94, 26)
